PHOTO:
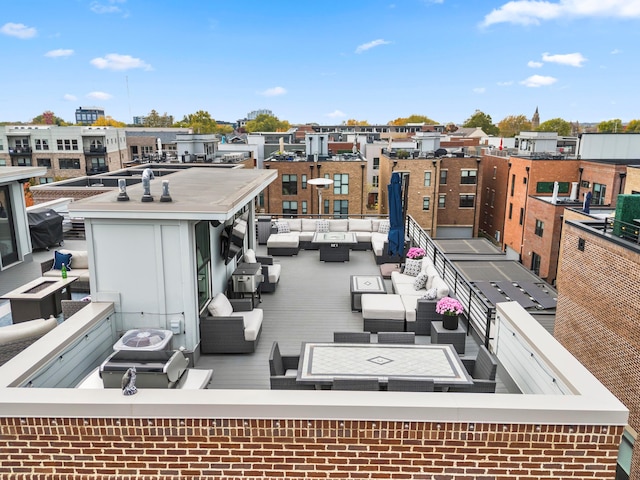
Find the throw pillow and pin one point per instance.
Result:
(322, 226)
(420, 282)
(431, 294)
(283, 227)
(412, 267)
(60, 258)
(250, 256)
(220, 306)
(384, 226)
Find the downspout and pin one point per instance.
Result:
(524, 216)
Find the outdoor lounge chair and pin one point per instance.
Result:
(270, 271)
(397, 337)
(284, 370)
(483, 372)
(351, 337)
(403, 384)
(364, 383)
(15, 338)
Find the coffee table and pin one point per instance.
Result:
(39, 299)
(365, 284)
(334, 246)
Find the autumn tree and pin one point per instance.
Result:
(354, 122)
(28, 196)
(450, 127)
(267, 123)
(562, 127)
(413, 119)
(49, 118)
(482, 120)
(633, 126)
(154, 119)
(514, 124)
(108, 122)
(611, 126)
(202, 122)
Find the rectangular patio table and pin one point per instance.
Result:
(334, 246)
(364, 284)
(320, 363)
(39, 299)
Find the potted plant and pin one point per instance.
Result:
(449, 308)
(416, 253)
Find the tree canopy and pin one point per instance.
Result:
(633, 126)
(49, 118)
(201, 122)
(108, 122)
(482, 120)
(413, 119)
(611, 126)
(514, 124)
(353, 121)
(562, 127)
(154, 119)
(267, 123)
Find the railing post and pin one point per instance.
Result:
(487, 327)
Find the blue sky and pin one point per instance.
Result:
(322, 62)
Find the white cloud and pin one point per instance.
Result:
(532, 64)
(479, 90)
(60, 52)
(615, 51)
(367, 46)
(114, 61)
(273, 92)
(18, 30)
(505, 84)
(571, 59)
(336, 114)
(109, 7)
(99, 95)
(533, 12)
(538, 81)
(69, 98)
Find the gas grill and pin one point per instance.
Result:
(154, 369)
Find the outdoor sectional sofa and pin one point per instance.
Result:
(79, 268)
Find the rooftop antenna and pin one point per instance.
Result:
(126, 77)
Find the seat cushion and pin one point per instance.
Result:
(274, 272)
(339, 225)
(442, 288)
(359, 225)
(382, 307)
(410, 303)
(309, 225)
(220, 306)
(79, 258)
(250, 256)
(283, 240)
(295, 225)
(252, 321)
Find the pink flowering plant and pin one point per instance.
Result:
(449, 306)
(416, 253)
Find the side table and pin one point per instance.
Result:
(456, 337)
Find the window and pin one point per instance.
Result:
(289, 184)
(303, 180)
(3, 162)
(289, 208)
(23, 162)
(304, 207)
(44, 162)
(340, 208)
(69, 163)
(425, 203)
(340, 183)
(427, 179)
(443, 177)
(376, 163)
(513, 183)
(98, 165)
(43, 180)
(539, 228)
(442, 201)
(535, 263)
(325, 206)
(599, 191)
(510, 210)
(524, 180)
(203, 262)
(467, 201)
(22, 143)
(42, 144)
(495, 172)
(60, 144)
(521, 216)
(468, 177)
(375, 181)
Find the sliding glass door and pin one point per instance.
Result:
(8, 243)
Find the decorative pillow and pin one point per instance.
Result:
(322, 226)
(283, 227)
(80, 258)
(421, 281)
(384, 226)
(412, 267)
(431, 294)
(250, 256)
(59, 258)
(220, 306)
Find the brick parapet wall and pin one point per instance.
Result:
(101, 448)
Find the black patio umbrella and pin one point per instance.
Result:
(396, 220)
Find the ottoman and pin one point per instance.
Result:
(382, 313)
(283, 244)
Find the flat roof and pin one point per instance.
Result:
(196, 193)
(12, 174)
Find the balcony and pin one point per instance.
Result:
(95, 151)
(20, 151)
(97, 170)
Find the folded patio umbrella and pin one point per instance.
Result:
(396, 222)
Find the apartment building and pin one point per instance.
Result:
(88, 115)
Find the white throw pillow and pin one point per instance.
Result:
(250, 256)
(283, 227)
(322, 226)
(384, 226)
(412, 267)
(220, 306)
(420, 281)
(431, 294)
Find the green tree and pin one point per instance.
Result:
(413, 119)
(482, 120)
(48, 118)
(633, 126)
(201, 122)
(611, 126)
(514, 124)
(154, 119)
(562, 127)
(267, 123)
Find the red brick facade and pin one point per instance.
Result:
(99, 448)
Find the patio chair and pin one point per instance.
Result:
(397, 337)
(18, 336)
(351, 337)
(483, 372)
(71, 307)
(270, 271)
(283, 371)
(348, 383)
(404, 384)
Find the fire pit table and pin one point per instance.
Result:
(39, 298)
